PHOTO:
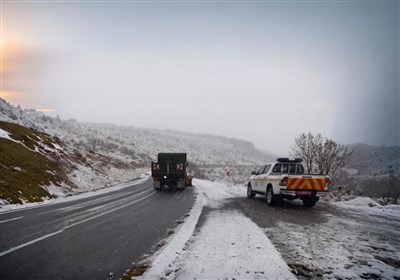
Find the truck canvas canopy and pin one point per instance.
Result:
(172, 157)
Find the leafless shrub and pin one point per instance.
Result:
(321, 155)
(344, 183)
(386, 188)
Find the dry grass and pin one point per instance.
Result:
(22, 169)
(136, 271)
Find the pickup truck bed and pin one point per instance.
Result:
(286, 179)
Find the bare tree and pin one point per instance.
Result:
(391, 187)
(321, 155)
(330, 156)
(345, 184)
(305, 147)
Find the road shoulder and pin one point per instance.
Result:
(219, 243)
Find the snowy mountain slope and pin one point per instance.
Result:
(103, 154)
(138, 144)
(374, 161)
(36, 166)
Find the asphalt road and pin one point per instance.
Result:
(91, 238)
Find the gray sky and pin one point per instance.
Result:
(259, 71)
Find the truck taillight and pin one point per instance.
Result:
(283, 182)
(328, 181)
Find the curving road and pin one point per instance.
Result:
(90, 238)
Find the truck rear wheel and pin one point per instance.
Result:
(270, 197)
(309, 201)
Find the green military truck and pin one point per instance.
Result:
(169, 170)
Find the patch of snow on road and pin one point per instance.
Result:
(215, 193)
(227, 245)
(237, 190)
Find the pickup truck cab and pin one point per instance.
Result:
(286, 178)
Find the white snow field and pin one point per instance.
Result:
(228, 245)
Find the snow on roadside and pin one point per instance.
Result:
(366, 246)
(88, 180)
(368, 205)
(170, 253)
(227, 245)
(230, 245)
(342, 248)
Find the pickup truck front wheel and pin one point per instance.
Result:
(250, 193)
(271, 198)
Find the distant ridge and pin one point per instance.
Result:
(107, 153)
(374, 161)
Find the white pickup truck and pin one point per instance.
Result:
(286, 179)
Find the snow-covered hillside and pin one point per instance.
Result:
(104, 154)
(374, 161)
(138, 143)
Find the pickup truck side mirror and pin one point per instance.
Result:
(253, 173)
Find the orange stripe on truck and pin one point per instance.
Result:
(306, 184)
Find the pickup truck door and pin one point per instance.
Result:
(258, 179)
(262, 179)
(274, 176)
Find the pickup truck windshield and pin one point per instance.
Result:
(300, 169)
(296, 169)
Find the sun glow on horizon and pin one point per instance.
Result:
(18, 67)
(7, 95)
(17, 100)
(45, 110)
(24, 100)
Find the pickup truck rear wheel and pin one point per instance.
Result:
(250, 193)
(309, 201)
(271, 198)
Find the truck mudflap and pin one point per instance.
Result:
(156, 185)
(181, 185)
(189, 180)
